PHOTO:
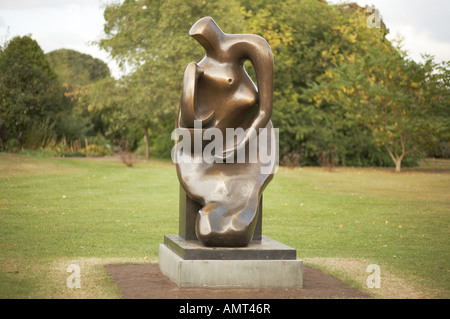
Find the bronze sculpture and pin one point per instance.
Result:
(218, 94)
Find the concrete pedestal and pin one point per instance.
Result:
(263, 264)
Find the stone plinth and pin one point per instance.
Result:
(262, 264)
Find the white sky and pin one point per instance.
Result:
(73, 24)
(423, 25)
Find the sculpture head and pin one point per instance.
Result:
(207, 33)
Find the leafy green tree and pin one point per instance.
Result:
(310, 40)
(76, 70)
(438, 92)
(399, 100)
(308, 37)
(31, 98)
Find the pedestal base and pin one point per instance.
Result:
(214, 272)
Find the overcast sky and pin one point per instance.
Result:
(74, 24)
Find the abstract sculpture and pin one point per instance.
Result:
(220, 100)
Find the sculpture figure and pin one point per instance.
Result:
(218, 93)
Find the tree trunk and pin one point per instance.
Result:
(396, 159)
(398, 165)
(147, 152)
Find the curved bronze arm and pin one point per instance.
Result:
(187, 103)
(257, 50)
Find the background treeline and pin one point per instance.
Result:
(38, 110)
(344, 94)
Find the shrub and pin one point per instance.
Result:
(12, 145)
(98, 150)
(39, 152)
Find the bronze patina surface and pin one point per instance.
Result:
(218, 93)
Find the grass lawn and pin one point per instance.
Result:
(57, 212)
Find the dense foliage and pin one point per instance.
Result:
(32, 99)
(343, 93)
(75, 68)
(39, 107)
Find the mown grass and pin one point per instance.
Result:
(398, 221)
(54, 212)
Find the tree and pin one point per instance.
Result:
(309, 40)
(31, 98)
(438, 91)
(399, 100)
(308, 37)
(76, 68)
(75, 71)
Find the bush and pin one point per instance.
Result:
(140, 150)
(12, 145)
(38, 135)
(98, 150)
(99, 140)
(39, 152)
(161, 146)
(291, 159)
(64, 153)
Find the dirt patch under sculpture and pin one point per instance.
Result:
(147, 282)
